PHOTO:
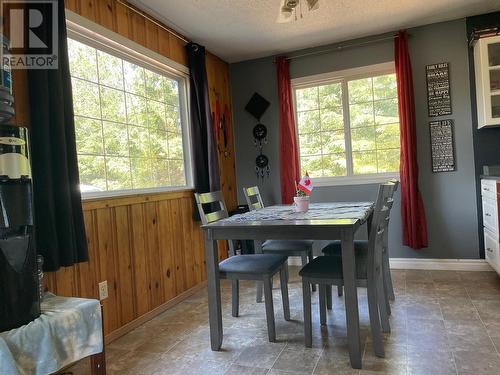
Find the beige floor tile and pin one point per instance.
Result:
(245, 370)
(427, 334)
(298, 360)
(281, 372)
(477, 363)
(383, 366)
(260, 354)
(419, 311)
(489, 310)
(458, 308)
(427, 362)
(438, 276)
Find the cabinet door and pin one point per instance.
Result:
(490, 215)
(494, 78)
(489, 189)
(491, 247)
(487, 66)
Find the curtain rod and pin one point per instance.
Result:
(343, 46)
(151, 19)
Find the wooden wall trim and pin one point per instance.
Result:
(127, 200)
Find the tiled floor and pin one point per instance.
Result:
(443, 322)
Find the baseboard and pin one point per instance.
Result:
(440, 264)
(151, 314)
(427, 264)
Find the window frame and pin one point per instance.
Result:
(343, 77)
(96, 36)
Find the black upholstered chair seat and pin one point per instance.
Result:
(335, 248)
(330, 267)
(252, 264)
(287, 246)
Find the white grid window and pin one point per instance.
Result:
(348, 125)
(128, 123)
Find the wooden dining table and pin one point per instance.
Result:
(323, 221)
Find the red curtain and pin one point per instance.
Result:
(412, 206)
(289, 154)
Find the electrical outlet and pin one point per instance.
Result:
(103, 290)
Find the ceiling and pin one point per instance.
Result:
(237, 30)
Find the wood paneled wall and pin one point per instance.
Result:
(147, 247)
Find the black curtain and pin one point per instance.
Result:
(59, 228)
(205, 162)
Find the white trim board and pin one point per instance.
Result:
(427, 264)
(440, 264)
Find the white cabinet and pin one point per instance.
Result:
(491, 249)
(487, 71)
(490, 223)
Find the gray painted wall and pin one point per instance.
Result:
(449, 197)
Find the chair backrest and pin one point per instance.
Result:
(253, 197)
(211, 199)
(396, 183)
(379, 227)
(215, 201)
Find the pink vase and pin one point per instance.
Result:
(301, 204)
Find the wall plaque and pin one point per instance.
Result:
(442, 146)
(438, 89)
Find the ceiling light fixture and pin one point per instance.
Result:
(288, 9)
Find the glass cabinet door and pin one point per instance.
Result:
(487, 74)
(494, 73)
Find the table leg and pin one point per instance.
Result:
(98, 364)
(213, 284)
(98, 361)
(351, 297)
(258, 250)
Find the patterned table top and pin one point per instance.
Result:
(317, 211)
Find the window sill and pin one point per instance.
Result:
(351, 180)
(100, 195)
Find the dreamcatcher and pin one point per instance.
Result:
(256, 107)
(259, 136)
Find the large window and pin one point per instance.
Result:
(129, 121)
(348, 124)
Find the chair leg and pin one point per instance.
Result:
(329, 299)
(311, 257)
(386, 271)
(306, 301)
(258, 295)
(284, 292)
(268, 297)
(378, 345)
(287, 273)
(340, 290)
(322, 304)
(382, 302)
(235, 289)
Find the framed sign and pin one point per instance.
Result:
(438, 89)
(442, 146)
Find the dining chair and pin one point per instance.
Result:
(259, 267)
(386, 267)
(334, 249)
(301, 248)
(327, 270)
